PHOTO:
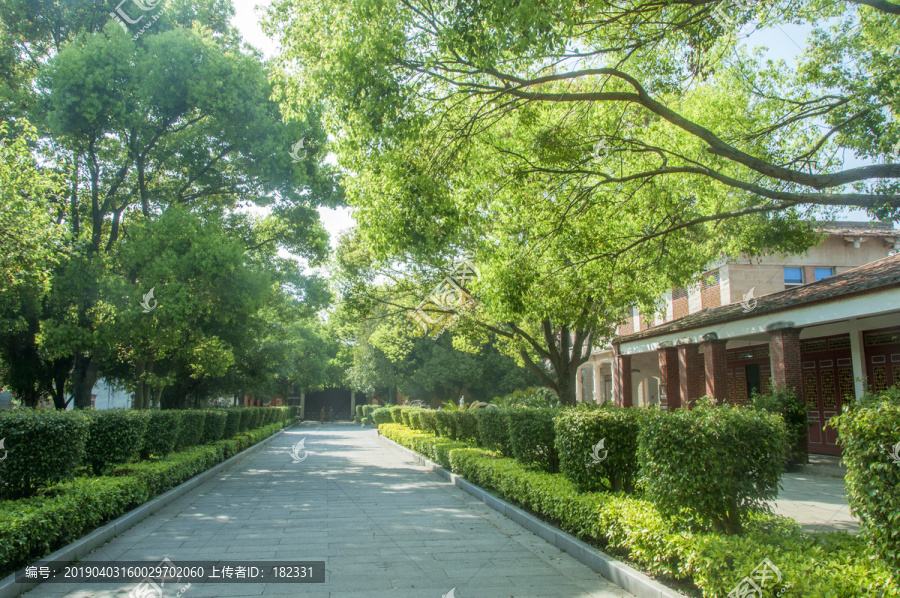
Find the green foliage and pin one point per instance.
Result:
(717, 462)
(406, 416)
(233, 423)
(444, 423)
(493, 429)
(792, 410)
(396, 414)
(163, 430)
(615, 464)
(382, 415)
(427, 420)
(246, 418)
(870, 442)
(34, 527)
(114, 436)
(465, 424)
(536, 396)
(531, 437)
(214, 426)
(367, 414)
(192, 425)
(44, 447)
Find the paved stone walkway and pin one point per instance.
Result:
(817, 502)
(383, 525)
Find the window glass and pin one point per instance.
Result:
(824, 273)
(793, 275)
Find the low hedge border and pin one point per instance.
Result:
(812, 566)
(31, 528)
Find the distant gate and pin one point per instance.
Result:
(338, 399)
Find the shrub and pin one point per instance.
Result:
(784, 402)
(246, 418)
(531, 437)
(114, 436)
(870, 440)
(233, 422)
(163, 428)
(406, 416)
(444, 423)
(536, 396)
(382, 415)
(214, 426)
(465, 424)
(718, 462)
(44, 447)
(396, 412)
(614, 433)
(367, 414)
(192, 424)
(428, 420)
(493, 429)
(255, 418)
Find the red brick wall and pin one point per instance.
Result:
(786, 367)
(690, 374)
(668, 367)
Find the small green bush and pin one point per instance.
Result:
(367, 414)
(114, 436)
(428, 420)
(44, 447)
(396, 412)
(465, 424)
(232, 423)
(531, 437)
(784, 402)
(255, 418)
(192, 424)
(382, 415)
(163, 429)
(246, 417)
(444, 423)
(579, 431)
(870, 441)
(214, 426)
(717, 462)
(493, 429)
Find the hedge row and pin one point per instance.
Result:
(32, 528)
(46, 447)
(812, 565)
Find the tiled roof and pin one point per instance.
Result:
(876, 276)
(858, 229)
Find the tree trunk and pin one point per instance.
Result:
(84, 376)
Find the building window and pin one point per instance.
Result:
(824, 273)
(793, 276)
(711, 280)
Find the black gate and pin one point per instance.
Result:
(336, 399)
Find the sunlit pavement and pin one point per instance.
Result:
(383, 525)
(818, 502)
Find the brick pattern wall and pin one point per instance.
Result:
(690, 374)
(627, 327)
(668, 367)
(711, 297)
(786, 366)
(715, 370)
(622, 380)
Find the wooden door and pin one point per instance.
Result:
(827, 379)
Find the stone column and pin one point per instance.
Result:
(598, 383)
(668, 367)
(579, 387)
(716, 369)
(352, 404)
(622, 390)
(689, 374)
(302, 405)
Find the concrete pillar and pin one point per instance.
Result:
(716, 369)
(302, 405)
(858, 356)
(668, 368)
(352, 404)
(622, 387)
(598, 383)
(689, 374)
(785, 354)
(579, 386)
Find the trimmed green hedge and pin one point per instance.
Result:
(214, 426)
(114, 436)
(614, 465)
(870, 441)
(465, 424)
(827, 565)
(493, 429)
(163, 429)
(382, 415)
(531, 437)
(396, 414)
(233, 423)
(784, 402)
(444, 423)
(32, 528)
(192, 425)
(717, 462)
(44, 447)
(367, 414)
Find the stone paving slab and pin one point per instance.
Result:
(383, 526)
(817, 502)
